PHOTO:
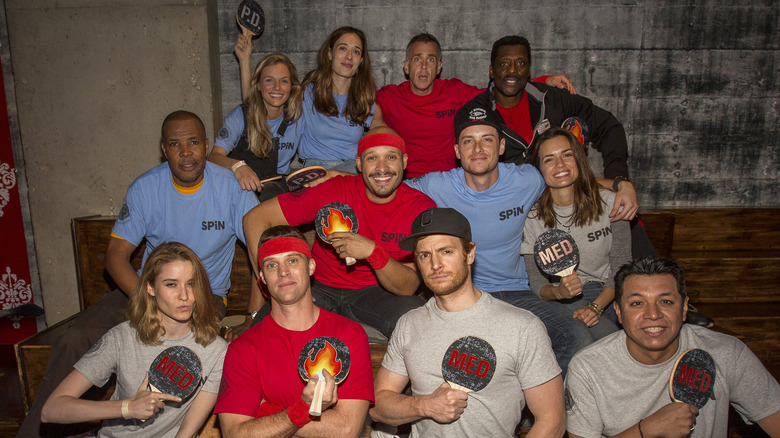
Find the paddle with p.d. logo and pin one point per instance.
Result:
(333, 218)
(693, 378)
(556, 253)
(176, 371)
(250, 18)
(319, 354)
(469, 364)
(301, 177)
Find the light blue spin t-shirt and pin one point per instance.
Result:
(497, 216)
(329, 138)
(208, 221)
(233, 127)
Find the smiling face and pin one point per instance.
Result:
(557, 163)
(274, 86)
(287, 276)
(184, 145)
(652, 312)
(444, 264)
(382, 168)
(478, 149)
(422, 64)
(345, 55)
(510, 72)
(173, 292)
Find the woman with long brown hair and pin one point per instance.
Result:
(172, 306)
(573, 202)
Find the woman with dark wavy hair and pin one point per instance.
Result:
(573, 202)
(173, 306)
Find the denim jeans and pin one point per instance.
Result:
(342, 165)
(567, 334)
(608, 320)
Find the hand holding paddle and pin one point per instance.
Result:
(336, 217)
(556, 253)
(692, 379)
(146, 404)
(570, 287)
(446, 404)
(323, 353)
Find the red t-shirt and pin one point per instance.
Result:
(426, 123)
(261, 365)
(386, 224)
(518, 118)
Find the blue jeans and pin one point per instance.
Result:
(567, 334)
(608, 320)
(342, 165)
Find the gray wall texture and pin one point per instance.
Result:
(694, 82)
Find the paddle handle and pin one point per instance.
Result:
(566, 271)
(458, 387)
(315, 408)
(350, 261)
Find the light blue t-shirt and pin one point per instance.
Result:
(208, 221)
(233, 127)
(497, 216)
(329, 138)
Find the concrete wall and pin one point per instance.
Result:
(695, 83)
(94, 79)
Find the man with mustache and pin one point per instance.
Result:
(185, 199)
(380, 287)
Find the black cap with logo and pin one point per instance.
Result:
(437, 221)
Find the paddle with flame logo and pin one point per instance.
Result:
(323, 353)
(336, 217)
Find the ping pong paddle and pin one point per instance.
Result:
(176, 371)
(299, 178)
(469, 364)
(578, 127)
(323, 353)
(250, 18)
(333, 218)
(693, 378)
(556, 253)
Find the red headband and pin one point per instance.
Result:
(381, 139)
(282, 244)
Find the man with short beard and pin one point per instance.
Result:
(380, 287)
(524, 372)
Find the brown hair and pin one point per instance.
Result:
(588, 205)
(143, 312)
(259, 134)
(362, 89)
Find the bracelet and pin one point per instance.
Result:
(298, 413)
(594, 307)
(238, 164)
(616, 182)
(379, 257)
(640, 429)
(126, 409)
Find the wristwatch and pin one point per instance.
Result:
(616, 182)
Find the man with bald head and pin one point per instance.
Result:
(380, 287)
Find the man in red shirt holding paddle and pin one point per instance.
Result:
(261, 388)
(380, 287)
(622, 385)
(473, 361)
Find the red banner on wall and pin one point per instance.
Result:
(15, 284)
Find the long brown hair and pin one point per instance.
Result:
(362, 89)
(260, 135)
(588, 205)
(144, 313)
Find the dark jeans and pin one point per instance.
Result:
(567, 334)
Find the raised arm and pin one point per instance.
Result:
(243, 51)
(444, 405)
(118, 265)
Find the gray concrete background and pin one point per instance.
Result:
(694, 82)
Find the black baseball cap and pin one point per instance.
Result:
(437, 221)
(474, 113)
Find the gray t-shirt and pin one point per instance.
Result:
(524, 360)
(604, 246)
(120, 352)
(607, 391)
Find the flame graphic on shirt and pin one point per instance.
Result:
(336, 222)
(326, 359)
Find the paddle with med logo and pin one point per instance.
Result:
(556, 253)
(469, 364)
(250, 18)
(693, 378)
(319, 354)
(333, 218)
(176, 371)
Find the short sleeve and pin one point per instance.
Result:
(100, 361)
(231, 130)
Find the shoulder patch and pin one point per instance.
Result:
(124, 212)
(224, 132)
